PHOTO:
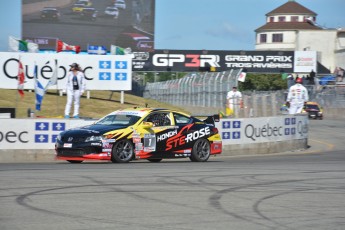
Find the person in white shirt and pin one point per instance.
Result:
(75, 87)
(297, 97)
(234, 99)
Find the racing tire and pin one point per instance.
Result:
(74, 161)
(201, 151)
(155, 160)
(123, 152)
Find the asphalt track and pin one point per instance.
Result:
(293, 190)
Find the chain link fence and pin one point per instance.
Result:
(207, 89)
(205, 93)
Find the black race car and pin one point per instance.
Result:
(141, 133)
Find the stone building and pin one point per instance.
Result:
(293, 27)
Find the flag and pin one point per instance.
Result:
(242, 76)
(39, 91)
(101, 50)
(17, 45)
(21, 79)
(61, 46)
(53, 80)
(117, 50)
(284, 76)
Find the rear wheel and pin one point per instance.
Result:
(123, 152)
(201, 151)
(154, 160)
(74, 162)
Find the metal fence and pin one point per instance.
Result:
(195, 89)
(205, 93)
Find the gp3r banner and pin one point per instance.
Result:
(102, 72)
(198, 60)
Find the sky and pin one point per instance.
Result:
(200, 24)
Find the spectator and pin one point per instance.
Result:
(339, 74)
(290, 80)
(75, 87)
(312, 77)
(297, 97)
(234, 101)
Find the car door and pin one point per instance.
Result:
(154, 138)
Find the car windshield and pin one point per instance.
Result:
(312, 107)
(117, 119)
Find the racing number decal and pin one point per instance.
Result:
(149, 142)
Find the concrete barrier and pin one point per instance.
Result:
(32, 140)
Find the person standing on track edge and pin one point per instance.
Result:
(75, 87)
(297, 97)
(234, 100)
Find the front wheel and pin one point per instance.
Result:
(123, 152)
(201, 151)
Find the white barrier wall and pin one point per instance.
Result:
(34, 133)
(263, 129)
(42, 133)
(102, 72)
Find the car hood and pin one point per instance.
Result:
(92, 130)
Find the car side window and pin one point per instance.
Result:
(159, 119)
(181, 119)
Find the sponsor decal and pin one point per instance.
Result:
(106, 147)
(166, 135)
(149, 142)
(179, 139)
(67, 145)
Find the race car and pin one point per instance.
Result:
(141, 133)
(313, 109)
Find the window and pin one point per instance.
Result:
(181, 120)
(281, 19)
(294, 18)
(277, 38)
(159, 119)
(271, 19)
(263, 38)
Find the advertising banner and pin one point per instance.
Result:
(102, 72)
(199, 60)
(34, 133)
(305, 61)
(259, 130)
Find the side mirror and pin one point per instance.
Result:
(147, 125)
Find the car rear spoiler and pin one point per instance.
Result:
(209, 119)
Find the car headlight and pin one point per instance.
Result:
(94, 138)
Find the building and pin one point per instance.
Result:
(293, 27)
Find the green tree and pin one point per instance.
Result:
(263, 82)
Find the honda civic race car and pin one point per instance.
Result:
(141, 133)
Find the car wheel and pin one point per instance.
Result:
(154, 160)
(74, 162)
(201, 151)
(123, 152)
